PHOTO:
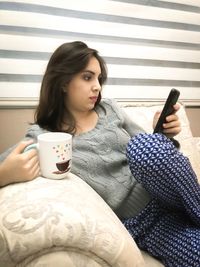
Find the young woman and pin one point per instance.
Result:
(70, 101)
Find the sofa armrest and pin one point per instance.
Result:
(45, 216)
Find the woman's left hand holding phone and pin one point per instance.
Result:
(19, 166)
(172, 126)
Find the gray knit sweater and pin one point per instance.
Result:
(99, 159)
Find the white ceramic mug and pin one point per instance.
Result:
(55, 154)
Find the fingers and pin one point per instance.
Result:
(30, 162)
(35, 170)
(171, 118)
(32, 168)
(30, 153)
(173, 130)
(34, 160)
(21, 146)
(172, 126)
(157, 113)
(172, 121)
(176, 107)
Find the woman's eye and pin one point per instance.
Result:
(87, 77)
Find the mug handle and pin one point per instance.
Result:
(31, 146)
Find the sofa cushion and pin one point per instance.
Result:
(47, 216)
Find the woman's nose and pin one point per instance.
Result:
(96, 86)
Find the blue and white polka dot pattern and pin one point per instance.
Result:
(169, 227)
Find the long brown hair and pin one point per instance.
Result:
(68, 60)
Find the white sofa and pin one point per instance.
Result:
(65, 223)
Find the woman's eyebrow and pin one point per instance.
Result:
(91, 72)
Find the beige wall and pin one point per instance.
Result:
(194, 118)
(14, 123)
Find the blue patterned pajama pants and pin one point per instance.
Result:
(169, 226)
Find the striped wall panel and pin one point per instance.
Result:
(149, 46)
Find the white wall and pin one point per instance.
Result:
(149, 46)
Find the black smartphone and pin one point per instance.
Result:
(167, 109)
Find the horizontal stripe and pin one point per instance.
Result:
(19, 89)
(100, 38)
(106, 49)
(136, 92)
(20, 78)
(152, 72)
(101, 28)
(25, 42)
(109, 60)
(36, 67)
(152, 82)
(149, 62)
(111, 81)
(185, 2)
(116, 8)
(168, 5)
(24, 54)
(95, 16)
(22, 67)
(149, 92)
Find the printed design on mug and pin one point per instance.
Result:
(63, 164)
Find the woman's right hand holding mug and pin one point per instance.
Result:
(19, 166)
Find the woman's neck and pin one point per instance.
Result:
(85, 121)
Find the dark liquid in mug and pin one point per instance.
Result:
(63, 166)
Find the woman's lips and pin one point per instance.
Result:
(94, 98)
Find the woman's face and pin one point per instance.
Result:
(83, 90)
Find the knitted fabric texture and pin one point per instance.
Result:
(168, 227)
